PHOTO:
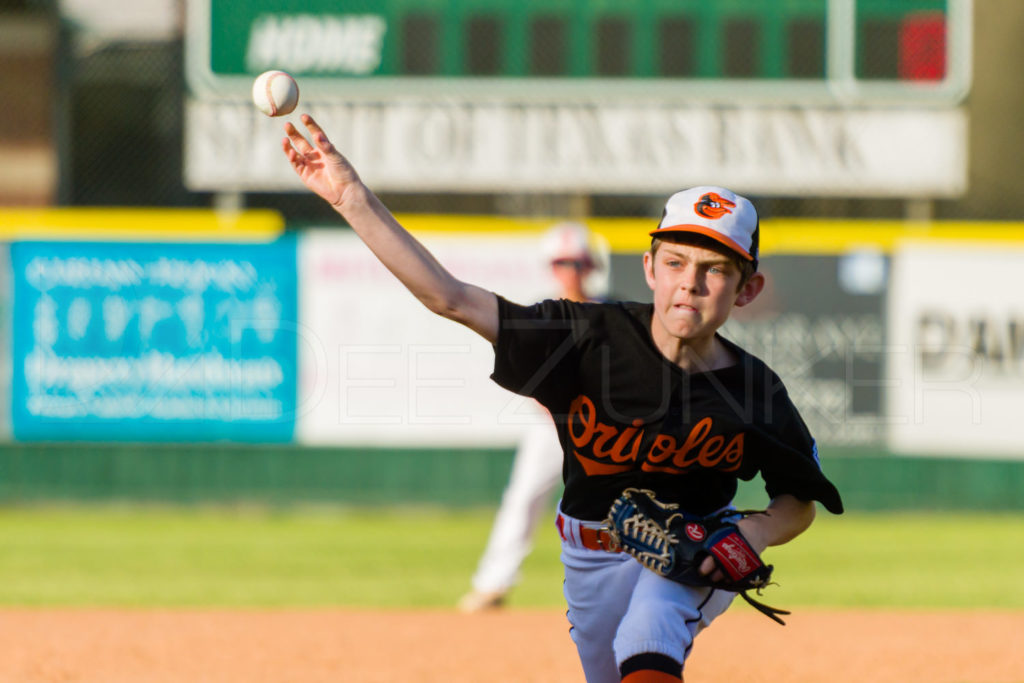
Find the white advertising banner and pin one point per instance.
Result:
(594, 147)
(376, 367)
(956, 350)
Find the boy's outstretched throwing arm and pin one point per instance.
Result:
(326, 172)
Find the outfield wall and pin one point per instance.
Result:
(260, 364)
(296, 475)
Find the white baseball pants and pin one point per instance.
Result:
(618, 609)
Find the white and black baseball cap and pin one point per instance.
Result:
(714, 212)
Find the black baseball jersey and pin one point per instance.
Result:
(627, 416)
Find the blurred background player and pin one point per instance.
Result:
(579, 273)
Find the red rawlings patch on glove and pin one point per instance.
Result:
(736, 556)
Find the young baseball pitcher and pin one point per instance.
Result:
(658, 416)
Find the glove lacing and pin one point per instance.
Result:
(658, 558)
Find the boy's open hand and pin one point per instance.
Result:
(320, 166)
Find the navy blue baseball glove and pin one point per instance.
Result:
(673, 544)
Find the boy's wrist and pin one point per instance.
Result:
(354, 197)
(753, 530)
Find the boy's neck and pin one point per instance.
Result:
(694, 356)
(574, 295)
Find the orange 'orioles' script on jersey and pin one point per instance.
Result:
(609, 449)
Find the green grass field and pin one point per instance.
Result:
(257, 557)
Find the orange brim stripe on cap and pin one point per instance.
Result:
(707, 232)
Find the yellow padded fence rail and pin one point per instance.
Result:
(778, 236)
(140, 225)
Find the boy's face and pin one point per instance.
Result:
(694, 290)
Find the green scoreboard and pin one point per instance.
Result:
(511, 43)
(777, 97)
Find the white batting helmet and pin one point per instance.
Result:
(569, 241)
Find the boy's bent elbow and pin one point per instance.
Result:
(790, 517)
(448, 304)
(802, 512)
(467, 305)
(438, 305)
(810, 511)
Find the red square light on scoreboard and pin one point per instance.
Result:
(922, 47)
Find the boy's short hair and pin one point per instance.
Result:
(746, 268)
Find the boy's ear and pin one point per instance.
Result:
(649, 269)
(749, 291)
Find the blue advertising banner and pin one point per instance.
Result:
(154, 342)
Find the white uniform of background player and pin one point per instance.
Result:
(578, 260)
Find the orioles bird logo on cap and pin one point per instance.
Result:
(712, 205)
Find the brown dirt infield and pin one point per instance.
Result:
(122, 646)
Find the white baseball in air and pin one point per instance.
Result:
(275, 93)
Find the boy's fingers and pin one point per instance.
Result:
(286, 145)
(316, 133)
(297, 139)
